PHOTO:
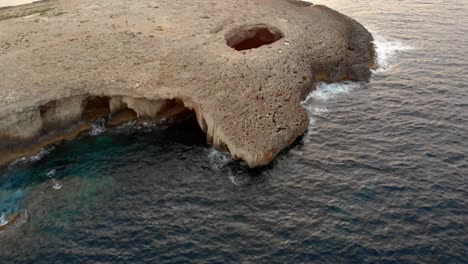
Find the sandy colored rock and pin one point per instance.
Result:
(242, 66)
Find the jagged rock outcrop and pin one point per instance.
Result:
(242, 66)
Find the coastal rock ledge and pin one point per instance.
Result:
(243, 67)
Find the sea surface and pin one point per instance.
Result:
(380, 177)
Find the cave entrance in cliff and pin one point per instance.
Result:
(117, 110)
(180, 123)
(252, 36)
(95, 107)
(68, 118)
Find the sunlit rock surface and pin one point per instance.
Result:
(242, 66)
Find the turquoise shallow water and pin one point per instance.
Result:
(381, 175)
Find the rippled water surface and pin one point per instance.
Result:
(381, 175)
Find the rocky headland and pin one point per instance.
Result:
(242, 67)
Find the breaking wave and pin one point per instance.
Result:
(35, 158)
(316, 102)
(218, 160)
(388, 51)
(98, 127)
(325, 91)
(3, 219)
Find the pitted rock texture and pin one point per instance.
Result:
(243, 66)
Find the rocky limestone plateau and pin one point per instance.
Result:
(243, 67)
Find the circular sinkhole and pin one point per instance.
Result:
(252, 36)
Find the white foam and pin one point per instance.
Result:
(51, 173)
(325, 91)
(388, 51)
(319, 110)
(22, 219)
(317, 102)
(98, 127)
(239, 180)
(57, 185)
(3, 219)
(134, 125)
(218, 160)
(150, 126)
(31, 159)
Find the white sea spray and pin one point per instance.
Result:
(218, 159)
(35, 158)
(388, 51)
(3, 219)
(98, 127)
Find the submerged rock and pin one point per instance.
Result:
(243, 67)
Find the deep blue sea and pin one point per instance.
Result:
(380, 177)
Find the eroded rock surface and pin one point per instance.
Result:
(242, 66)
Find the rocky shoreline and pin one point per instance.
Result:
(242, 67)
